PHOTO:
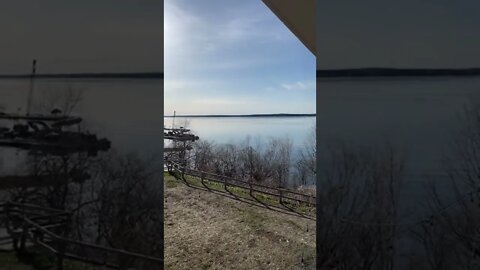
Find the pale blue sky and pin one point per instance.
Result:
(234, 57)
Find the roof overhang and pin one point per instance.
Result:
(298, 16)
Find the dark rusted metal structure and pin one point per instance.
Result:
(48, 133)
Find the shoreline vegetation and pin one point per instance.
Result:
(247, 115)
(270, 162)
(397, 72)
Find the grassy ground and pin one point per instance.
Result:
(9, 261)
(205, 230)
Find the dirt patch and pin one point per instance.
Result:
(204, 230)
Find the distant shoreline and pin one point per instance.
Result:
(396, 72)
(139, 75)
(246, 115)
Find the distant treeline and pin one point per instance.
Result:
(248, 115)
(143, 75)
(396, 72)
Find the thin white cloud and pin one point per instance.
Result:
(176, 86)
(220, 105)
(218, 101)
(299, 85)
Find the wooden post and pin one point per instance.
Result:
(225, 183)
(23, 238)
(63, 245)
(281, 195)
(15, 243)
(123, 262)
(250, 185)
(60, 254)
(59, 261)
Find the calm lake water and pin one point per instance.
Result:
(235, 129)
(419, 115)
(125, 111)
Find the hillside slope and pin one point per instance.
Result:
(204, 230)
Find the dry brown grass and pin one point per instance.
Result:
(204, 230)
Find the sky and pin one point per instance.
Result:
(81, 36)
(233, 57)
(402, 34)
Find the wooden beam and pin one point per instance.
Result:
(299, 17)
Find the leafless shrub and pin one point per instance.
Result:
(260, 161)
(306, 164)
(357, 205)
(451, 237)
(281, 149)
(257, 160)
(128, 205)
(226, 160)
(203, 155)
(270, 162)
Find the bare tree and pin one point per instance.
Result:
(257, 160)
(451, 238)
(358, 205)
(308, 155)
(65, 99)
(227, 160)
(203, 155)
(306, 165)
(281, 148)
(127, 206)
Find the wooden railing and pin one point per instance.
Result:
(280, 193)
(41, 226)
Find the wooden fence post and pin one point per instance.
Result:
(225, 183)
(280, 196)
(23, 238)
(250, 185)
(123, 262)
(9, 223)
(60, 254)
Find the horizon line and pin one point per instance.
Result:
(155, 74)
(243, 115)
(397, 72)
